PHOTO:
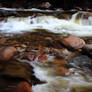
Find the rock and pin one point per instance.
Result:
(24, 87)
(7, 53)
(48, 38)
(73, 42)
(81, 61)
(29, 56)
(45, 5)
(43, 58)
(2, 41)
(87, 15)
(20, 49)
(66, 54)
(64, 16)
(62, 71)
(87, 49)
(60, 62)
(15, 69)
(88, 40)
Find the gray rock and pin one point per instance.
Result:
(81, 61)
(87, 49)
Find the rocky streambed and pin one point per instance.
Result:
(46, 52)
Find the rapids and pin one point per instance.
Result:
(54, 83)
(76, 25)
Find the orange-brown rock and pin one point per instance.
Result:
(2, 41)
(7, 53)
(60, 62)
(43, 58)
(73, 42)
(24, 87)
(62, 71)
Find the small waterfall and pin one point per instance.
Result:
(82, 18)
(74, 18)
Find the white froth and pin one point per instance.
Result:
(55, 83)
(50, 23)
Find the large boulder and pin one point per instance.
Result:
(73, 42)
(7, 53)
(16, 69)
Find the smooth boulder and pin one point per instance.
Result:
(7, 53)
(72, 41)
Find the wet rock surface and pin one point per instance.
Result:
(2, 41)
(17, 70)
(7, 53)
(24, 87)
(73, 42)
(88, 49)
(81, 62)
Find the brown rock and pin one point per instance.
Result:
(24, 87)
(29, 56)
(43, 58)
(7, 53)
(62, 71)
(60, 62)
(2, 41)
(14, 69)
(45, 5)
(73, 42)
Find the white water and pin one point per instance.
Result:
(79, 27)
(57, 83)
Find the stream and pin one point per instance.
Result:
(79, 24)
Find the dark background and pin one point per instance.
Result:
(65, 4)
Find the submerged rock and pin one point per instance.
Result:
(73, 42)
(7, 53)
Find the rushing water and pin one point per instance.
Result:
(76, 25)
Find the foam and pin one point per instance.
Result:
(50, 23)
